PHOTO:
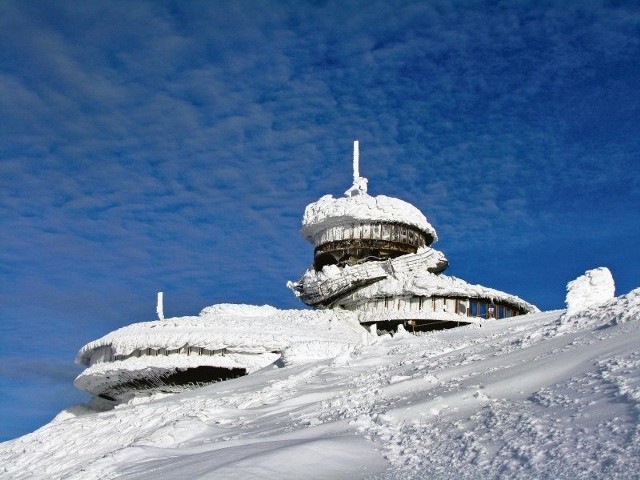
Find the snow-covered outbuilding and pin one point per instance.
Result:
(373, 256)
(224, 341)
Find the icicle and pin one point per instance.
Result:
(160, 306)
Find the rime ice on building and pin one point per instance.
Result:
(373, 256)
(373, 264)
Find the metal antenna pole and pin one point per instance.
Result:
(356, 161)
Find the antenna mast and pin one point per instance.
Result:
(356, 161)
(359, 183)
(160, 306)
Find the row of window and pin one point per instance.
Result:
(459, 306)
(377, 231)
(491, 310)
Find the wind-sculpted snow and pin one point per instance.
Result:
(616, 310)
(529, 397)
(594, 287)
(329, 212)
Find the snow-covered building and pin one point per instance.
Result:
(373, 256)
(373, 264)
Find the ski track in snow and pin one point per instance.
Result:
(538, 396)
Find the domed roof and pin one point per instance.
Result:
(359, 207)
(330, 212)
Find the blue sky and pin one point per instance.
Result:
(173, 146)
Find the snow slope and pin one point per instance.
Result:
(529, 397)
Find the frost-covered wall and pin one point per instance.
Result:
(372, 231)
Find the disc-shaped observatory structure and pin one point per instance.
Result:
(373, 255)
(373, 264)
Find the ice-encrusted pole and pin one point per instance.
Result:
(359, 183)
(160, 306)
(356, 161)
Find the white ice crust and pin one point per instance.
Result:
(593, 288)
(329, 212)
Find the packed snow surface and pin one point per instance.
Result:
(330, 212)
(593, 288)
(527, 397)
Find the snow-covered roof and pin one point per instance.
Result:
(329, 212)
(236, 328)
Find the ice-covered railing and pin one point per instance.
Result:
(105, 353)
(316, 288)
